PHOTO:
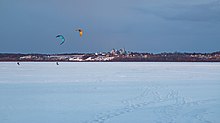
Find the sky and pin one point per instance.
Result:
(31, 26)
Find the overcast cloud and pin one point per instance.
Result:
(30, 26)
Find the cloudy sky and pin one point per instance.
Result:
(30, 26)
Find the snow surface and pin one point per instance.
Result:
(109, 92)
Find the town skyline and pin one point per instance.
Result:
(115, 55)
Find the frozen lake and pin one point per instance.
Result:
(109, 92)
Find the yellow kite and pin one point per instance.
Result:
(80, 32)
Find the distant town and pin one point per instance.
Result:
(120, 55)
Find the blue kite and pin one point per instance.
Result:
(62, 38)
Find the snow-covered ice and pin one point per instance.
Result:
(39, 92)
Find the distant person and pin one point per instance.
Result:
(18, 63)
(57, 63)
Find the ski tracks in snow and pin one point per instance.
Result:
(167, 104)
